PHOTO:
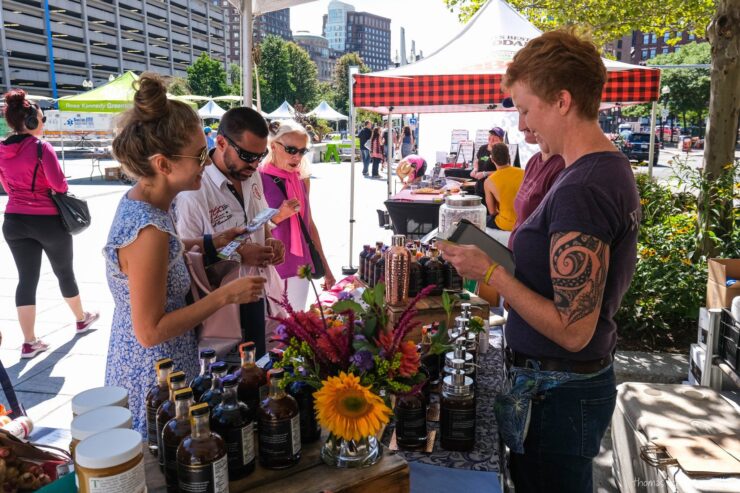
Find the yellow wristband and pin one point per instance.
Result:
(489, 272)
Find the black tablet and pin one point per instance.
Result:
(467, 233)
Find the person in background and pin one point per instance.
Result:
(364, 135)
(162, 144)
(386, 141)
(32, 225)
(312, 134)
(501, 188)
(407, 142)
(575, 258)
(284, 176)
(482, 165)
(411, 169)
(376, 151)
(210, 142)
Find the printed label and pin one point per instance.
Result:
(411, 424)
(240, 446)
(280, 439)
(151, 426)
(211, 478)
(295, 429)
(131, 481)
(169, 453)
(458, 424)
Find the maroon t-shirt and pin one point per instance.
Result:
(539, 176)
(596, 196)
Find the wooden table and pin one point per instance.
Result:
(310, 475)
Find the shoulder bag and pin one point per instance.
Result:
(74, 213)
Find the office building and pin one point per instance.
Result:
(276, 23)
(318, 49)
(90, 40)
(348, 31)
(638, 47)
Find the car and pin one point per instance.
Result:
(636, 146)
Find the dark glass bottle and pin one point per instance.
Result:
(457, 411)
(201, 456)
(166, 411)
(424, 257)
(214, 395)
(379, 269)
(202, 382)
(303, 394)
(252, 379)
(361, 262)
(434, 273)
(452, 280)
(411, 421)
(366, 262)
(233, 421)
(279, 429)
(415, 277)
(174, 432)
(370, 270)
(154, 398)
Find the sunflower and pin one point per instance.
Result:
(349, 410)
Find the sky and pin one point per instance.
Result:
(428, 22)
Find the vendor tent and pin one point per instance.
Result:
(211, 110)
(114, 97)
(284, 112)
(326, 112)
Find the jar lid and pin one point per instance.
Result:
(463, 200)
(100, 419)
(99, 397)
(108, 449)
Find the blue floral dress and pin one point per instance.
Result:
(129, 364)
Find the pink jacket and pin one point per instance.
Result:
(18, 157)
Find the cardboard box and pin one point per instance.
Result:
(718, 294)
(113, 174)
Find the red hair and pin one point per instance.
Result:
(17, 108)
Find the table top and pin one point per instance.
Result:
(406, 195)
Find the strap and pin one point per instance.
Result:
(279, 182)
(16, 406)
(38, 163)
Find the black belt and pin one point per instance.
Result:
(556, 364)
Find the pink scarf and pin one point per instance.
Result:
(293, 189)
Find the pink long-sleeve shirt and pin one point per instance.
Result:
(18, 157)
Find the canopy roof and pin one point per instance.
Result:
(114, 97)
(326, 112)
(211, 110)
(465, 74)
(284, 112)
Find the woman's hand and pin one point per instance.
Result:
(470, 261)
(278, 250)
(224, 237)
(287, 209)
(329, 280)
(244, 290)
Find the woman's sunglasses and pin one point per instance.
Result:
(244, 155)
(294, 150)
(202, 158)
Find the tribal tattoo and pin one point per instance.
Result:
(578, 270)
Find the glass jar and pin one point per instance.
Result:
(457, 207)
(99, 397)
(97, 420)
(110, 462)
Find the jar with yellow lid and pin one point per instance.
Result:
(111, 461)
(97, 420)
(99, 397)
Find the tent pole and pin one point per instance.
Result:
(389, 157)
(349, 269)
(247, 52)
(651, 153)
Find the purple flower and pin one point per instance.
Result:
(281, 332)
(360, 337)
(363, 360)
(344, 295)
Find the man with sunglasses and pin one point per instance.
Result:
(230, 196)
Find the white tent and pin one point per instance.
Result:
(326, 112)
(284, 112)
(211, 110)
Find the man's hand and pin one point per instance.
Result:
(278, 250)
(287, 209)
(223, 238)
(255, 254)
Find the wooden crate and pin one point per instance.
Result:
(310, 475)
(113, 173)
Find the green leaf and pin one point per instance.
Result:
(347, 305)
(379, 292)
(447, 303)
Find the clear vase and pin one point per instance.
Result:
(342, 453)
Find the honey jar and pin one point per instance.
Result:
(99, 397)
(111, 461)
(97, 420)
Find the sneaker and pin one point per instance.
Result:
(86, 323)
(31, 349)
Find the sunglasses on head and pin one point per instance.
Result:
(202, 158)
(246, 156)
(293, 150)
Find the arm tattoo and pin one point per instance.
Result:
(578, 267)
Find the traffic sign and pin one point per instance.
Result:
(664, 114)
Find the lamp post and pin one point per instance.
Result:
(87, 84)
(664, 92)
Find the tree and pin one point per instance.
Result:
(235, 78)
(341, 80)
(178, 86)
(274, 73)
(207, 77)
(304, 75)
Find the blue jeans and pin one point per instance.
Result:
(566, 426)
(365, 159)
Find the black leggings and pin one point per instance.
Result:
(27, 236)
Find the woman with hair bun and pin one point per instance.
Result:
(29, 172)
(161, 143)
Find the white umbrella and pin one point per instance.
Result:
(211, 110)
(33, 97)
(326, 112)
(284, 112)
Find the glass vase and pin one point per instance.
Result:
(342, 453)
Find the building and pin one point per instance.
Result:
(638, 47)
(348, 31)
(90, 40)
(318, 49)
(276, 23)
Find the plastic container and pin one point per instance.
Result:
(96, 421)
(99, 397)
(457, 207)
(111, 462)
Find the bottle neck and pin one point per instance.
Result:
(174, 387)
(229, 397)
(200, 427)
(216, 381)
(275, 391)
(205, 366)
(182, 407)
(249, 358)
(162, 375)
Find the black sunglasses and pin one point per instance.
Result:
(294, 150)
(244, 155)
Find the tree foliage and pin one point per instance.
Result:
(340, 81)
(689, 87)
(286, 73)
(178, 86)
(235, 79)
(207, 77)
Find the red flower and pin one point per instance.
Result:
(409, 359)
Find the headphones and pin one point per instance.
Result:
(32, 119)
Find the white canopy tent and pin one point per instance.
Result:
(326, 112)
(211, 110)
(284, 112)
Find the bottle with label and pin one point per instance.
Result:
(397, 261)
(434, 273)
(154, 398)
(411, 421)
(415, 278)
(279, 429)
(366, 264)
(214, 395)
(252, 379)
(380, 268)
(457, 410)
(202, 382)
(303, 394)
(361, 262)
(453, 280)
(372, 261)
(202, 464)
(166, 410)
(233, 421)
(174, 432)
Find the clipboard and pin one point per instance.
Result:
(467, 233)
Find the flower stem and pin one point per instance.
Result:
(318, 301)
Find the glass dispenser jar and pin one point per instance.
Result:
(457, 207)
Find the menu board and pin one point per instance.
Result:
(458, 136)
(481, 137)
(467, 150)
